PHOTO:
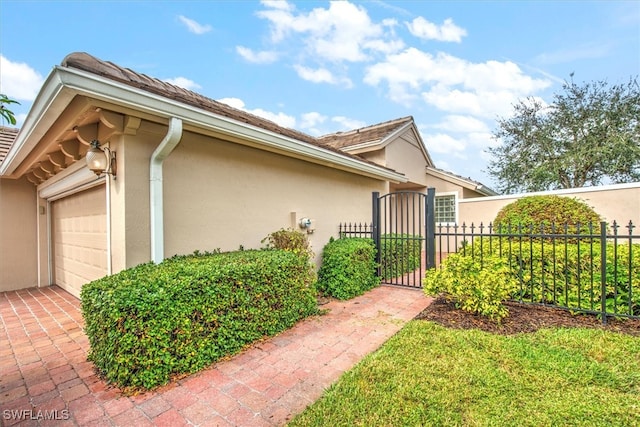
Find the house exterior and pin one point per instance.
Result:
(191, 174)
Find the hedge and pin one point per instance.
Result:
(570, 274)
(348, 268)
(152, 322)
(401, 253)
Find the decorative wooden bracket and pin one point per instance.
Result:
(71, 148)
(59, 159)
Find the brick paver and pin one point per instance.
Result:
(45, 378)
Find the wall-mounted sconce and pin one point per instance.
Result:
(101, 159)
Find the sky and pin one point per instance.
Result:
(321, 67)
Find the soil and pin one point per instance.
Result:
(523, 318)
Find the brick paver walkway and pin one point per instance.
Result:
(45, 378)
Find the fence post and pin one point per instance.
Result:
(430, 227)
(603, 270)
(375, 228)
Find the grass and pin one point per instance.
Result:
(427, 375)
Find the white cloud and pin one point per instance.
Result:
(342, 32)
(263, 57)
(312, 119)
(18, 80)
(457, 123)
(453, 84)
(447, 32)
(278, 4)
(280, 118)
(183, 82)
(348, 123)
(193, 26)
(321, 75)
(444, 144)
(311, 123)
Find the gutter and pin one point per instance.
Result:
(65, 83)
(156, 210)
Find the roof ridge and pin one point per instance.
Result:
(368, 127)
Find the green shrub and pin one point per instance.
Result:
(151, 322)
(538, 213)
(289, 240)
(472, 286)
(569, 273)
(348, 268)
(401, 253)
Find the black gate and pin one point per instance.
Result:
(404, 234)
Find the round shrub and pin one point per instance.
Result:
(540, 212)
(348, 268)
(476, 286)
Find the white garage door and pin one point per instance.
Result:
(79, 235)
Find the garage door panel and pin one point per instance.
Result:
(79, 239)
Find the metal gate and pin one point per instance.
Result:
(404, 234)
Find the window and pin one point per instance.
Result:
(445, 208)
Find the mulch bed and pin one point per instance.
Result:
(522, 318)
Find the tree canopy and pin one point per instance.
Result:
(588, 135)
(6, 114)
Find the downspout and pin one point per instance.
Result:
(170, 141)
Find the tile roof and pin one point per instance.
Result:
(84, 61)
(7, 136)
(473, 182)
(372, 133)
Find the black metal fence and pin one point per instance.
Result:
(349, 229)
(592, 268)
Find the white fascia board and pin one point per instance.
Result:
(51, 101)
(460, 181)
(101, 88)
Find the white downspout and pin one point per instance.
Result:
(109, 247)
(171, 139)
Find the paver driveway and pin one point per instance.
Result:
(45, 378)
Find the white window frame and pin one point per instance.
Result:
(455, 203)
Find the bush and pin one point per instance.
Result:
(289, 240)
(538, 213)
(151, 322)
(569, 273)
(348, 268)
(473, 286)
(401, 253)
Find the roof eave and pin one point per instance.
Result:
(471, 185)
(64, 83)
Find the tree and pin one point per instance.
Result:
(5, 113)
(588, 135)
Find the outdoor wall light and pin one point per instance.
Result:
(101, 159)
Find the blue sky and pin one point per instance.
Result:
(322, 67)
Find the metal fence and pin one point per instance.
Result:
(592, 268)
(349, 229)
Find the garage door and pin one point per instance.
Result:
(79, 235)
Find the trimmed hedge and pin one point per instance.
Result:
(401, 253)
(348, 268)
(537, 214)
(152, 322)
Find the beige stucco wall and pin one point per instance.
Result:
(18, 244)
(405, 156)
(223, 195)
(613, 202)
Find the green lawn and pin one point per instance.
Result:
(428, 375)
